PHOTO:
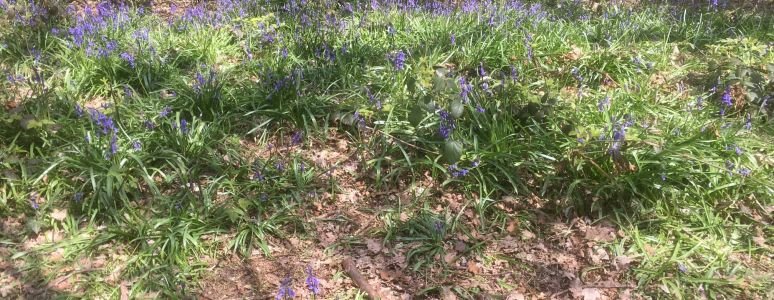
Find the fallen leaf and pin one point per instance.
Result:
(449, 257)
(374, 245)
(124, 291)
(447, 294)
(512, 226)
(460, 246)
(622, 262)
(59, 214)
(527, 235)
(600, 233)
(515, 295)
(473, 267)
(591, 294)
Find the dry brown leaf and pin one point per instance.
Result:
(473, 267)
(449, 257)
(515, 295)
(622, 262)
(600, 234)
(447, 294)
(527, 235)
(512, 226)
(59, 214)
(374, 245)
(574, 54)
(591, 294)
(124, 291)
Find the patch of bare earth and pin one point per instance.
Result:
(543, 258)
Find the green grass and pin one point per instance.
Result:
(249, 95)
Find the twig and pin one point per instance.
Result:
(360, 281)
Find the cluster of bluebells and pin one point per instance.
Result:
(373, 100)
(201, 83)
(286, 291)
(603, 104)
(456, 171)
(619, 128)
(106, 127)
(465, 89)
(725, 101)
(447, 124)
(399, 60)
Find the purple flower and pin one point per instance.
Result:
(480, 109)
(603, 104)
(453, 39)
(465, 89)
(113, 144)
(699, 103)
(457, 172)
(296, 138)
(399, 60)
(514, 74)
(184, 126)
(257, 175)
(447, 124)
(128, 58)
(481, 71)
(78, 110)
(149, 125)
(34, 200)
(312, 282)
(725, 101)
(748, 122)
(165, 111)
(285, 290)
(744, 172)
(438, 226)
(136, 145)
(682, 268)
(730, 166)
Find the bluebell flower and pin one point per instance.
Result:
(603, 104)
(446, 125)
(481, 71)
(165, 111)
(514, 73)
(312, 282)
(113, 144)
(34, 200)
(184, 126)
(682, 268)
(465, 89)
(399, 60)
(438, 226)
(453, 39)
(744, 172)
(78, 110)
(480, 109)
(136, 145)
(285, 290)
(730, 166)
(128, 58)
(581, 140)
(748, 122)
(297, 137)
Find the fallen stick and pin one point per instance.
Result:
(360, 281)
